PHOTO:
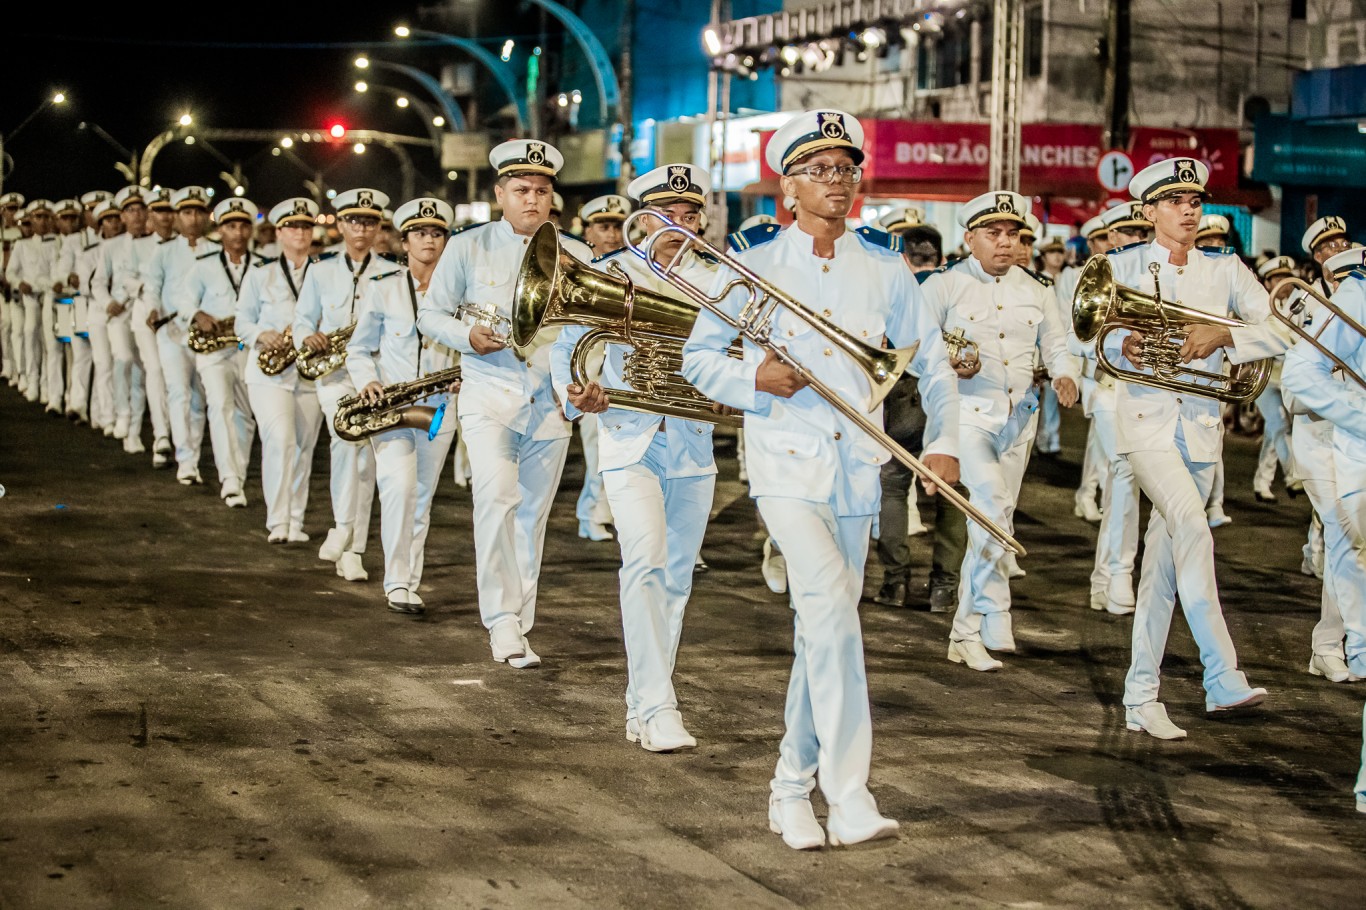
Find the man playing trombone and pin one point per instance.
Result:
(813, 470)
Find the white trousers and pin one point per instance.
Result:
(79, 364)
(592, 505)
(154, 380)
(289, 421)
(184, 397)
(660, 523)
(992, 469)
(1215, 498)
(1092, 463)
(1275, 439)
(1117, 541)
(102, 372)
(1049, 439)
(1178, 559)
(232, 429)
(31, 345)
(6, 346)
(513, 483)
(127, 386)
(1349, 463)
(407, 469)
(829, 726)
(54, 357)
(1343, 604)
(352, 481)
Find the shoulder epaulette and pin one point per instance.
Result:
(1218, 250)
(49, 238)
(266, 260)
(605, 256)
(892, 242)
(323, 257)
(388, 257)
(921, 276)
(468, 227)
(1359, 273)
(760, 233)
(385, 275)
(1127, 246)
(208, 254)
(1040, 277)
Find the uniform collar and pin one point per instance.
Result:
(806, 242)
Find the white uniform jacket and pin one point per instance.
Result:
(625, 436)
(330, 297)
(266, 304)
(165, 280)
(385, 346)
(31, 261)
(1009, 318)
(479, 266)
(213, 287)
(801, 447)
(1309, 374)
(127, 259)
(1213, 280)
(69, 255)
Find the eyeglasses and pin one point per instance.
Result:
(1336, 245)
(362, 221)
(827, 173)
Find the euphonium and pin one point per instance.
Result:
(754, 323)
(275, 361)
(316, 364)
(207, 344)
(553, 288)
(1283, 297)
(1100, 305)
(356, 420)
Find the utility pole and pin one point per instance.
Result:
(626, 77)
(1118, 88)
(1006, 70)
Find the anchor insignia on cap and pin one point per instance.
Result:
(365, 199)
(613, 204)
(1185, 170)
(426, 209)
(236, 206)
(1004, 204)
(831, 126)
(678, 179)
(535, 153)
(301, 208)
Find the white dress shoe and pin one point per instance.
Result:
(528, 659)
(187, 477)
(594, 530)
(505, 638)
(1013, 569)
(1361, 803)
(1311, 567)
(297, 535)
(1084, 507)
(415, 599)
(857, 820)
(974, 655)
(774, 568)
(996, 632)
(1099, 599)
(236, 500)
(350, 568)
(633, 729)
(160, 460)
(401, 601)
(133, 445)
(1251, 698)
(795, 821)
(1332, 667)
(1217, 518)
(335, 545)
(278, 536)
(121, 428)
(1356, 665)
(664, 732)
(1152, 719)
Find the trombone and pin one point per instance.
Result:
(1291, 294)
(754, 323)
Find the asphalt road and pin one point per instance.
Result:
(192, 718)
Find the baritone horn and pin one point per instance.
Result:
(754, 323)
(1101, 305)
(1286, 306)
(555, 289)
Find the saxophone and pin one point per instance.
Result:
(201, 343)
(356, 421)
(275, 361)
(313, 365)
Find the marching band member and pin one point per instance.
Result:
(329, 301)
(1275, 421)
(1009, 315)
(1343, 602)
(212, 292)
(121, 371)
(103, 412)
(388, 348)
(1323, 239)
(814, 474)
(10, 203)
(88, 393)
(71, 239)
(516, 435)
(164, 279)
(602, 219)
(1171, 440)
(1093, 463)
(556, 209)
(30, 273)
(1214, 233)
(659, 474)
(285, 404)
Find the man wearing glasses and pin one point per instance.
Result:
(329, 301)
(815, 475)
(1324, 239)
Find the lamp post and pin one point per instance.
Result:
(128, 165)
(449, 109)
(55, 98)
(495, 65)
(430, 117)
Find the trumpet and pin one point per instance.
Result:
(398, 408)
(275, 361)
(960, 347)
(1289, 295)
(316, 364)
(754, 323)
(202, 343)
(486, 315)
(1100, 305)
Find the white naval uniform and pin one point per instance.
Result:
(55, 379)
(103, 412)
(127, 265)
(164, 289)
(516, 436)
(285, 405)
(659, 475)
(1009, 318)
(1172, 441)
(386, 348)
(1093, 457)
(9, 311)
(329, 299)
(80, 390)
(1330, 451)
(1117, 538)
(31, 263)
(817, 477)
(213, 287)
(1275, 447)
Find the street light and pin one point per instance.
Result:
(56, 98)
(362, 62)
(362, 86)
(186, 120)
(401, 101)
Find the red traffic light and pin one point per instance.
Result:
(336, 130)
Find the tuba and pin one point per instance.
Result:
(201, 343)
(275, 361)
(1287, 305)
(398, 409)
(555, 289)
(754, 323)
(1100, 305)
(314, 365)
